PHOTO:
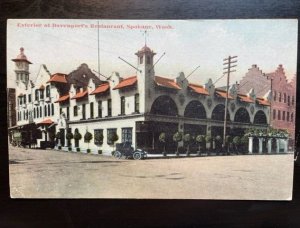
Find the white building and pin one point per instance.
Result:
(137, 108)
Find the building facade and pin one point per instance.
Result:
(138, 108)
(283, 102)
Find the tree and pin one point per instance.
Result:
(200, 139)
(87, 138)
(177, 137)
(113, 137)
(187, 139)
(162, 139)
(77, 137)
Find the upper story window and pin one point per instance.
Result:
(24, 99)
(100, 109)
(289, 100)
(123, 105)
(287, 116)
(92, 110)
(293, 100)
(68, 113)
(283, 115)
(109, 107)
(279, 97)
(75, 110)
(41, 94)
(20, 100)
(292, 117)
(148, 60)
(48, 91)
(49, 109)
(29, 98)
(83, 112)
(36, 94)
(137, 103)
(52, 109)
(141, 59)
(275, 93)
(284, 97)
(274, 114)
(279, 115)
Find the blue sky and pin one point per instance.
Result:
(190, 43)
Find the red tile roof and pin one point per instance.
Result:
(63, 98)
(222, 94)
(262, 101)
(198, 89)
(166, 82)
(101, 89)
(46, 121)
(58, 77)
(126, 82)
(80, 95)
(245, 98)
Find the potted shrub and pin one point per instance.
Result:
(218, 143)
(177, 137)
(78, 149)
(87, 138)
(208, 141)
(113, 137)
(99, 139)
(236, 142)
(77, 137)
(69, 136)
(200, 140)
(58, 136)
(162, 139)
(187, 139)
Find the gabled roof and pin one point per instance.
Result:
(198, 89)
(126, 82)
(101, 89)
(166, 82)
(63, 98)
(80, 95)
(223, 94)
(58, 77)
(263, 101)
(46, 122)
(245, 98)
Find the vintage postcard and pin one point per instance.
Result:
(136, 108)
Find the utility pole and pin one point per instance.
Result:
(98, 50)
(228, 69)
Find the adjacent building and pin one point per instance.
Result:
(138, 108)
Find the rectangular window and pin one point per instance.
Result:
(283, 115)
(24, 99)
(127, 135)
(137, 103)
(75, 110)
(42, 94)
(275, 95)
(92, 110)
(292, 117)
(109, 107)
(279, 115)
(98, 134)
(47, 91)
(289, 100)
(83, 112)
(29, 98)
(68, 113)
(284, 97)
(100, 109)
(287, 116)
(60, 111)
(110, 133)
(122, 105)
(20, 100)
(293, 100)
(274, 114)
(279, 97)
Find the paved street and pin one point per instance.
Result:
(56, 174)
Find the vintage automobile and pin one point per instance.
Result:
(126, 150)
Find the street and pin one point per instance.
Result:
(38, 173)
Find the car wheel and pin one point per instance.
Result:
(137, 156)
(118, 154)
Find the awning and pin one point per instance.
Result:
(80, 95)
(166, 82)
(126, 82)
(245, 98)
(101, 89)
(262, 101)
(198, 89)
(63, 98)
(223, 94)
(46, 122)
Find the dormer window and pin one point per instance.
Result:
(47, 91)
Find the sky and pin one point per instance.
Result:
(187, 44)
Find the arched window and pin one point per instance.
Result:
(242, 116)
(164, 105)
(48, 91)
(219, 113)
(195, 109)
(260, 118)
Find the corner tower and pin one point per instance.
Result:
(22, 68)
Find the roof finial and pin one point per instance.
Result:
(22, 50)
(145, 36)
